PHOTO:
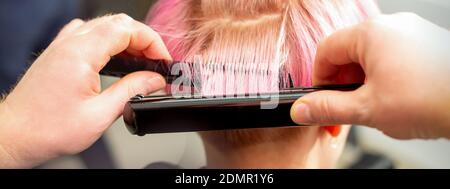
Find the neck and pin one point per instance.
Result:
(293, 153)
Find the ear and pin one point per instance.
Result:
(333, 130)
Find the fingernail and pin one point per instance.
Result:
(301, 114)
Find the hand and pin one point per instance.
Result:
(404, 62)
(58, 108)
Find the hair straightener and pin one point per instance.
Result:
(167, 114)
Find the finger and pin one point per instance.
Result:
(135, 53)
(330, 108)
(338, 51)
(89, 25)
(115, 34)
(114, 98)
(149, 42)
(71, 27)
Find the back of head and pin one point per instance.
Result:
(275, 36)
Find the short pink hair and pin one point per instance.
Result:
(253, 35)
(262, 34)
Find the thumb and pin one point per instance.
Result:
(114, 98)
(329, 108)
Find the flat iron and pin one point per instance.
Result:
(189, 113)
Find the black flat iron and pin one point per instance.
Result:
(189, 113)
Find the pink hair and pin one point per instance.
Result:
(251, 35)
(258, 38)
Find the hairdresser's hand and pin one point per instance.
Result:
(58, 108)
(405, 63)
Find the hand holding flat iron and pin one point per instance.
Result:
(404, 62)
(58, 107)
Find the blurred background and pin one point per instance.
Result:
(27, 27)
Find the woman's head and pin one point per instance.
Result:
(269, 35)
